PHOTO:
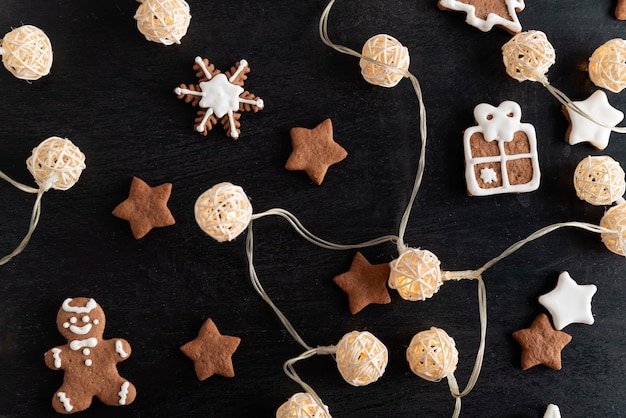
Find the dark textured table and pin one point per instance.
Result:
(111, 93)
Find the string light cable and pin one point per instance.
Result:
(529, 55)
(56, 163)
(225, 212)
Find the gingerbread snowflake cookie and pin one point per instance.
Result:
(485, 14)
(220, 96)
(500, 152)
(88, 360)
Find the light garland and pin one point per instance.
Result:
(607, 65)
(55, 163)
(529, 55)
(27, 53)
(163, 21)
(223, 211)
(386, 49)
(599, 180)
(416, 273)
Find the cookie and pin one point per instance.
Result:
(620, 10)
(146, 207)
(500, 152)
(581, 129)
(88, 360)
(314, 151)
(541, 344)
(365, 283)
(485, 14)
(211, 352)
(221, 97)
(569, 302)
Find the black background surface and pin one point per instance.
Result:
(111, 93)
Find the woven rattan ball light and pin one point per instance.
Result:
(163, 21)
(361, 358)
(302, 405)
(528, 56)
(56, 163)
(387, 50)
(599, 180)
(615, 220)
(27, 52)
(223, 212)
(432, 354)
(607, 65)
(415, 274)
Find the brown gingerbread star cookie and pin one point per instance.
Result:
(212, 352)
(314, 150)
(541, 344)
(365, 283)
(620, 10)
(146, 207)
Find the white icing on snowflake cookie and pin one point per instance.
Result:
(485, 14)
(501, 152)
(220, 96)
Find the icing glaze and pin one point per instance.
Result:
(88, 362)
(96, 322)
(86, 351)
(569, 302)
(499, 124)
(66, 324)
(492, 19)
(123, 393)
(119, 348)
(56, 357)
(85, 319)
(552, 411)
(78, 309)
(65, 401)
(73, 320)
(584, 130)
(80, 330)
(220, 97)
(78, 344)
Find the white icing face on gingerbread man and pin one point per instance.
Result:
(89, 361)
(78, 320)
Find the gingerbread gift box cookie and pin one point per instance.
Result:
(500, 152)
(88, 360)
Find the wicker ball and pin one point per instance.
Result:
(56, 163)
(164, 21)
(223, 211)
(27, 52)
(388, 50)
(599, 180)
(607, 65)
(615, 220)
(432, 354)
(302, 405)
(415, 274)
(361, 358)
(528, 56)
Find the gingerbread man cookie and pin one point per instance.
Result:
(88, 360)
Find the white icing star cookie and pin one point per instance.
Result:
(584, 130)
(569, 302)
(552, 412)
